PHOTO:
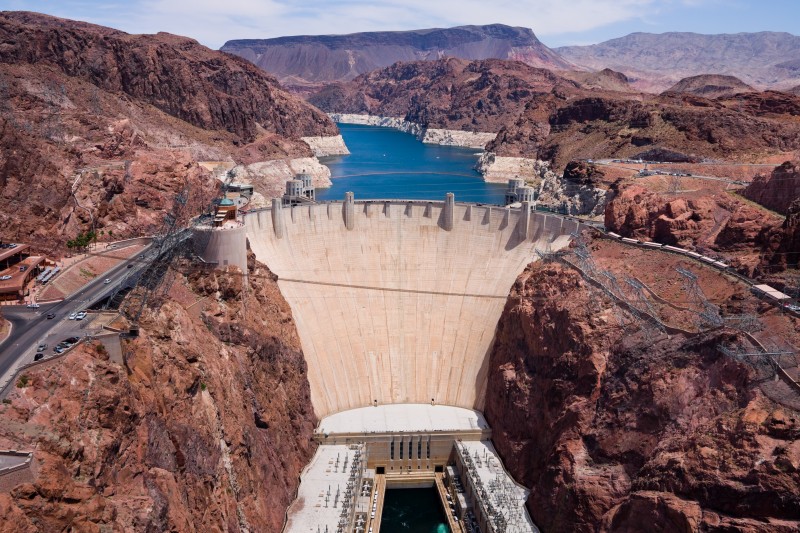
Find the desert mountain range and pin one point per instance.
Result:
(652, 62)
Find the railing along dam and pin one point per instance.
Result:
(398, 301)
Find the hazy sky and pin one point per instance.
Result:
(556, 22)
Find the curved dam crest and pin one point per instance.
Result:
(398, 301)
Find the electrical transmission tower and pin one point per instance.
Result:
(674, 185)
(630, 301)
(708, 312)
(151, 282)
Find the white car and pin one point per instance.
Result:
(106, 281)
(81, 315)
(73, 316)
(33, 305)
(3, 278)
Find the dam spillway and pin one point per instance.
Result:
(398, 301)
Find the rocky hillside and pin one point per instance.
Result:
(174, 74)
(703, 220)
(448, 93)
(777, 190)
(711, 86)
(604, 80)
(561, 127)
(309, 59)
(105, 127)
(615, 432)
(204, 426)
(657, 61)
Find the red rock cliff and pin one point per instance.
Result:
(204, 428)
(615, 433)
(101, 128)
(208, 89)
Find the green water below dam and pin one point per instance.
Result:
(413, 511)
(387, 163)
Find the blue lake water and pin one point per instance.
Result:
(413, 511)
(387, 163)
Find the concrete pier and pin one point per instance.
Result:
(448, 212)
(348, 210)
(277, 218)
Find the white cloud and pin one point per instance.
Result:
(213, 22)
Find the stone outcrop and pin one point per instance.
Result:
(778, 190)
(205, 427)
(269, 177)
(711, 86)
(326, 146)
(452, 94)
(578, 192)
(784, 244)
(500, 169)
(709, 223)
(616, 433)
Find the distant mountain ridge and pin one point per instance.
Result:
(657, 61)
(307, 59)
(711, 86)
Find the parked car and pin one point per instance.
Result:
(33, 305)
(73, 316)
(3, 278)
(38, 356)
(51, 316)
(71, 340)
(81, 315)
(41, 347)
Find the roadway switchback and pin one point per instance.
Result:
(397, 301)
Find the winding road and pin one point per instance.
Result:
(31, 326)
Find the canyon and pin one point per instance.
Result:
(355, 326)
(537, 114)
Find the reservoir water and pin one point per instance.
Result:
(413, 511)
(387, 163)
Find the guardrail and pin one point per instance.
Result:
(4, 386)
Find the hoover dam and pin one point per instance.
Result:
(396, 304)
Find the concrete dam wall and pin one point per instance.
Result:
(395, 301)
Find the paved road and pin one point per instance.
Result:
(31, 326)
(610, 163)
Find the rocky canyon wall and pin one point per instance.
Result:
(205, 427)
(613, 432)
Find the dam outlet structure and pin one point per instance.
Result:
(396, 304)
